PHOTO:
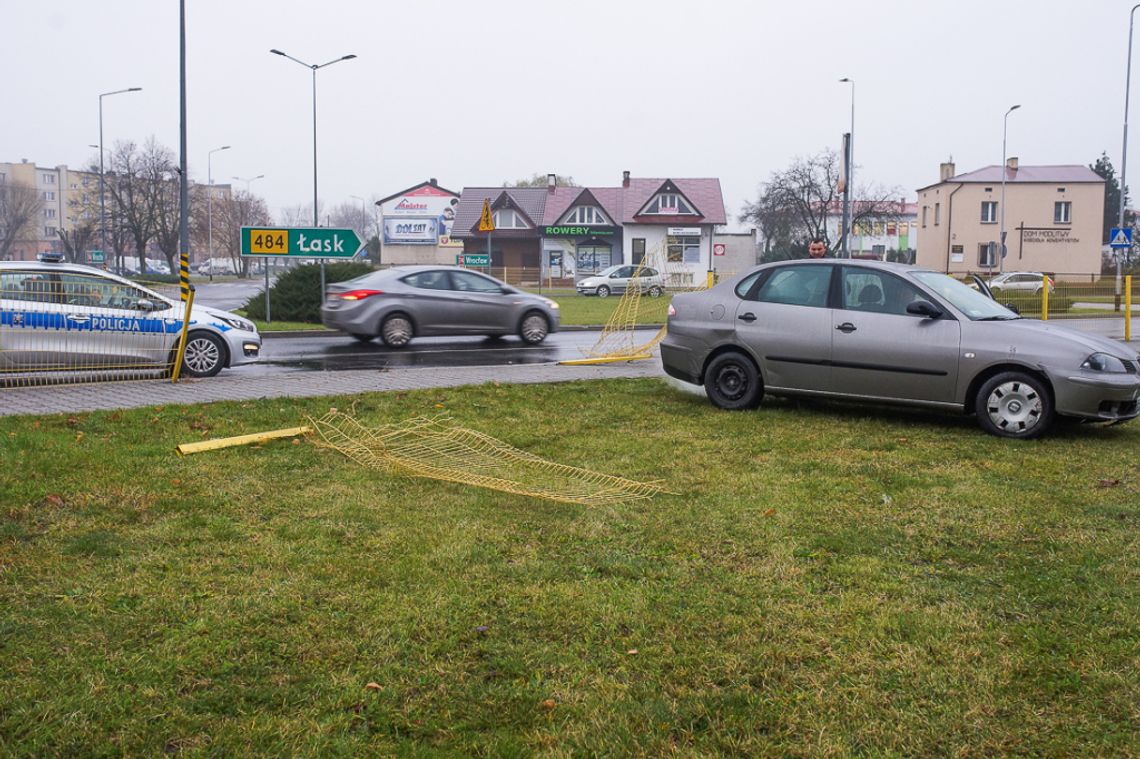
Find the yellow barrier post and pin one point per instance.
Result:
(1045, 297)
(711, 278)
(228, 442)
(181, 352)
(1128, 308)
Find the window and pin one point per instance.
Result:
(26, 285)
(468, 281)
(924, 209)
(90, 290)
(879, 251)
(879, 229)
(876, 292)
(1062, 212)
(683, 250)
(987, 255)
(49, 195)
(669, 204)
(937, 214)
(49, 231)
(506, 218)
(797, 285)
(49, 213)
(592, 258)
(638, 249)
(428, 280)
(48, 178)
(585, 215)
(989, 211)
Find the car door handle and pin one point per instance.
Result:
(747, 316)
(846, 327)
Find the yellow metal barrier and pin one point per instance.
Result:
(1128, 307)
(182, 341)
(1045, 297)
(228, 442)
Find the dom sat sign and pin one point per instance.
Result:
(300, 242)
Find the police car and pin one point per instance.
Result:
(63, 316)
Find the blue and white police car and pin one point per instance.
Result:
(64, 316)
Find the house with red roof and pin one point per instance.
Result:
(416, 225)
(564, 233)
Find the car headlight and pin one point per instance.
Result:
(1103, 362)
(551, 303)
(237, 323)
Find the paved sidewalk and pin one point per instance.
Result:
(232, 386)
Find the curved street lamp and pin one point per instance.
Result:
(1001, 225)
(102, 202)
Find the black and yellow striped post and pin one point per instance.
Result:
(184, 275)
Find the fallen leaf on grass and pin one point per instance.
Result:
(72, 421)
(1108, 483)
(372, 686)
(770, 513)
(632, 652)
(54, 500)
(549, 704)
(79, 436)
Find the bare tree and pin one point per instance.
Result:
(241, 209)
(299, 215)
(353, 216)
(540, 180)
(20, 204)
(796, 204)
(77, 239)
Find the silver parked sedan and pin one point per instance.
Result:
(890, 333)
(618, 279)
(405, 301)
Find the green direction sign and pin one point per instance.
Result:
(97, 256)
(472, 259)
(300, 242)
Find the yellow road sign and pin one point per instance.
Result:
(486, 223)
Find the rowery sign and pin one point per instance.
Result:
(578, 231)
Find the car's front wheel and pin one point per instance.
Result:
(205, 355)
(397, 331)
(1014, 404)
(733, 382)
(655, 292)
(534, 328)
(603, 292)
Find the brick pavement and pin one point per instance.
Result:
(232, 386)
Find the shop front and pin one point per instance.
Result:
(574, 251)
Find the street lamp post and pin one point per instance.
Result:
(315, 68)
(249, 181)
(102, 201)
(363, 213)
(210, 207)
(1001, 211)
(848, 218)
(1124, 145)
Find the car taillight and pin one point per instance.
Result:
(672, 311)
(359, 294)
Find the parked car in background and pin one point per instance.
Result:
(59, 316)
(403, 302)
(1019, 281)
(890, 333)
(618, 279)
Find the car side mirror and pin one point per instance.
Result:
(924, 308)
(145, 304)
(1012, 307)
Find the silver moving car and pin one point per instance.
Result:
(890, 333)
(617, 279)
(66, 316)
(406, 301)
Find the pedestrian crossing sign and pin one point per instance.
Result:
(1120, 237)
(486, 223)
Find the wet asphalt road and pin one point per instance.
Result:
(340, 353)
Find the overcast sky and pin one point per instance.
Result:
(482, 92)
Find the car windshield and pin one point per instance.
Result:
(607, 271)
(973, 304)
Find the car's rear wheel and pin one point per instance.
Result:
(733, 382)
(205, 355)
(534, 328)
(655, 292)
(1014, 404)
(363, 337)
(603, 292)
(397, 331)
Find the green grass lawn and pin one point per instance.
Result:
(827, 580)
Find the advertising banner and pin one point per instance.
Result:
(411, 231)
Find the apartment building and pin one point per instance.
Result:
(1054, 219)
(65, 195)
